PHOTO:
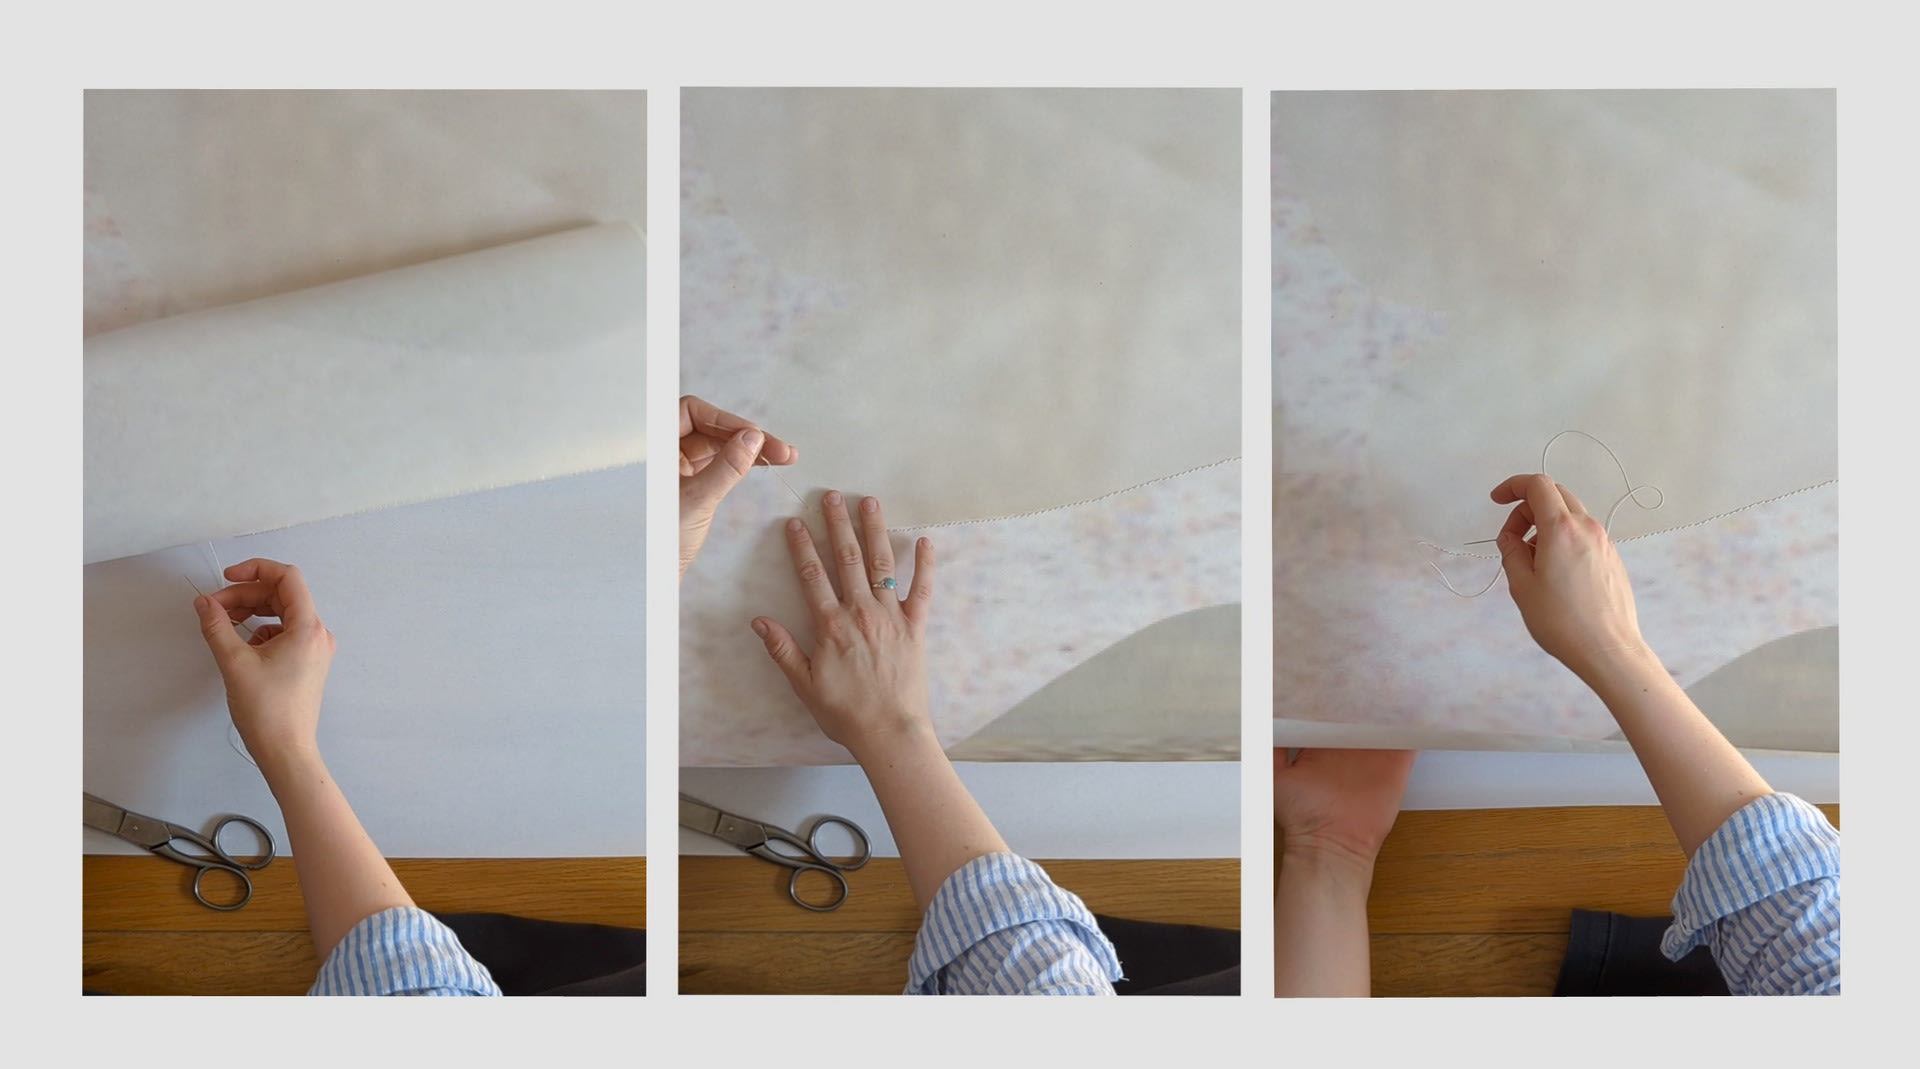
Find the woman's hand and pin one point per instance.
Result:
(275, 679)
(1339, 803)
(866, 680)
(1567, 579)
(716, 451)
(1334, 808)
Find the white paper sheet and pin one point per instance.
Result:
(1078, 810)
(487, 698)
(478, 371)
(200, 199)
(488, 694)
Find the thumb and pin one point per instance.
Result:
(1516, 557)
(735, 459)
(219, 631)
(784, 650)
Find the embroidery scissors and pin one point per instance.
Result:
(159, 836)
(765, 841)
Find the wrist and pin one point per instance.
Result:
(284, 763)
(900, 738)
(1620, 671)
(1345, 866)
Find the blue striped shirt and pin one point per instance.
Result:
(1763, 895)
(402, 951)
(1000, 926)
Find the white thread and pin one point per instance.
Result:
(238, 746)
(220, 573)
(1632, 494)
(233, 734)
(782, 482)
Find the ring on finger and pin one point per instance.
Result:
(885, 584)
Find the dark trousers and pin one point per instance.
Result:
(532, 957)
(1614, 954)
(1607, 954)
(1174, 959)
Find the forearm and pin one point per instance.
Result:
(343, 877)
(1320, 943)
(936, 824)
(1700, 778)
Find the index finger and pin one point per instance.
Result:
(1519, 521)
(290, 599)
(702, 417)
(1539, 492)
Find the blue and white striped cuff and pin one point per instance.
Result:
(1769, 845)
(402, 951)
(998, 892)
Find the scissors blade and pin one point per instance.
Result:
(696, 815)
(98, 813)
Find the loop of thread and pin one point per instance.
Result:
(220, 573)
(1632, 494)
(233, 733)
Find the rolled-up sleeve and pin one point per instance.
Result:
(1763, 895)
(402, 951)
(1000, 926)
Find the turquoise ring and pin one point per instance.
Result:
(885, 584)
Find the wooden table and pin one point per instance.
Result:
(1478, 902)
(1465, 902)
(739, 933)
(143, 934)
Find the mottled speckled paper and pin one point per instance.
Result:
(1456, 278)
(1012, 316)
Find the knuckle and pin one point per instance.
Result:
(811, 571)
(848, 555)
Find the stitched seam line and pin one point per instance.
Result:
(1073, 504)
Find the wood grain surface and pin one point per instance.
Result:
(739, 933)
(1465, 902)
(143, 934)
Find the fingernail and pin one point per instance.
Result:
(869, 504)
(794, 525)
(760, 628)
(833, 497)
(752, 437)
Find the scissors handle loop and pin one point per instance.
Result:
(212, 857)
(834, 874)
(849, 862)
(814, 859)
(246, 888)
